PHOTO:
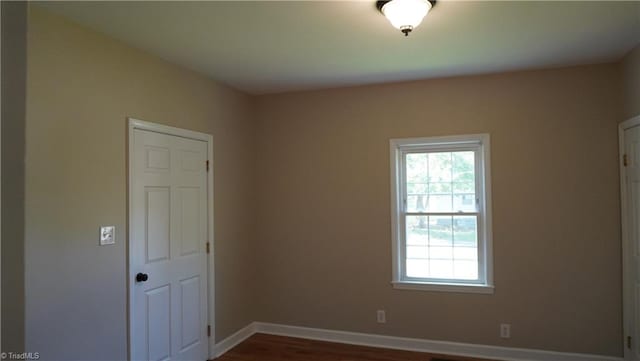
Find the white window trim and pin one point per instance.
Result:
(397, 146)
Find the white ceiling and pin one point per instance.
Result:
(275, 46)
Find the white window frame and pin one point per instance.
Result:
(480, 144)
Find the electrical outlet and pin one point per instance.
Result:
(505, 330)
(382, 316)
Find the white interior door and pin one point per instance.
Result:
(168, 247)
(632, 248)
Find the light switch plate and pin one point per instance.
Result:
(107, 235)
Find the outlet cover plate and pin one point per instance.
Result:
(505, 330)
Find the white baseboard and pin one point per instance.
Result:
(234, 340)
(407, 344)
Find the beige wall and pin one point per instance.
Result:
(631, 83)
(324, 208)
(81, 88)
(14, 78)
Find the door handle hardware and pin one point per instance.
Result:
(142, 277)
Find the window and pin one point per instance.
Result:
(441, 209)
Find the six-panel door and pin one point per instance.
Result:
(168, 238)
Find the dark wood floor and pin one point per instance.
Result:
(261, 347)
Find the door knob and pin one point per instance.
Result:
(142, 277)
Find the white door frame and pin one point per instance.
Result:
(627, 322)
(164, 129)
(0, 178)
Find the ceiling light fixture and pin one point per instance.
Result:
(405, 14)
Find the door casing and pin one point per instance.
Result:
(184, 133)
(627, 321)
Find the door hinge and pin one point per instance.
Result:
(629, 342)
(207, 165)
(208, 330)
(625, 162)
(208, 250)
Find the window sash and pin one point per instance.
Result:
(480, 254)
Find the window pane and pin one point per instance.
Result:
(463, 167)
(417, 268)
(416, 203)
(465, 231)
(416, 164)
(439, 167)
(440, 269)
(417, 231)
(465, 202)
(467, 270)
(440, 231)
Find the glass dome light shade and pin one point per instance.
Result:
(406, 14)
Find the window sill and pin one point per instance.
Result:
(443, 287)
